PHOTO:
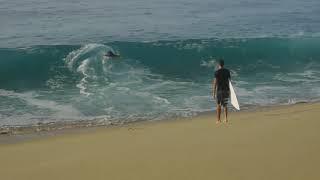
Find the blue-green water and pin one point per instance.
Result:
(52, 66)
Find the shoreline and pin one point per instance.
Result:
(17, 134)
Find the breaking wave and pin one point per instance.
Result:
(151, 80)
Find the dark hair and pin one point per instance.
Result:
(221, 62)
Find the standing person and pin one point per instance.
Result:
(221, 91)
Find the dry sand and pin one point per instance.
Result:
(278, 143)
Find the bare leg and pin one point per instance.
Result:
(226, 114)
(218, 113)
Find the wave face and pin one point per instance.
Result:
(152, 80)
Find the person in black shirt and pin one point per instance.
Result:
(221, 91)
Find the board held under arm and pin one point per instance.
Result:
(233, 97)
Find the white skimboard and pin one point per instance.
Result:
(233, 97)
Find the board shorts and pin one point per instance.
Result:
(222, 98)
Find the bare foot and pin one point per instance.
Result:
(226, 121)
(218, 122)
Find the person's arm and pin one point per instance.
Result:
(214, 84)
(229, 74)
(214, 87)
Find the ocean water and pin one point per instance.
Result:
(52, 67)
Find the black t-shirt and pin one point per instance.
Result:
(222, 79)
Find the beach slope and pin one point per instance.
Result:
(277, 143)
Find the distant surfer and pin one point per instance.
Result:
(111, 54)
(221, 90)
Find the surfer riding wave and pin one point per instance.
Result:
(111, 54)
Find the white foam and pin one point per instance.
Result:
(76, 55)
(6, 93)
(84, 60)
(83, 68)
(160, 100)
(209, 64)
(309, 76)
(158, 85)
(60, 111)
(297, 34)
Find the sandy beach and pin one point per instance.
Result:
(273, 143)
